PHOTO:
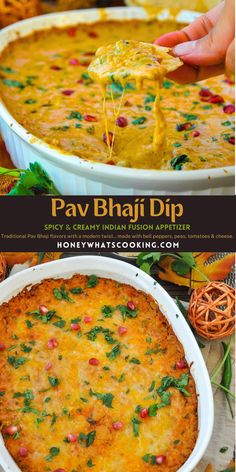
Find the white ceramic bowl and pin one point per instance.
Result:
(75, 176)
(126, 273)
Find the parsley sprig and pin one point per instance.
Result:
(32, 181)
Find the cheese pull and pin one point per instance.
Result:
(134, 61)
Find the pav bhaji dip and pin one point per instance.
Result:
(45, 84)
(93, 378)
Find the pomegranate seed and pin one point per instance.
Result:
(48, 366)
(122, 122)
(68, 93)
(216, 99)
(196, 134)
(11, 430)
(205, 94)
(185, 126)
(52, 343)
(75, 326)
(43, 309)
(117, 425)
(111, 163)
(231, 140)
(71, 437)
(160, 459)
(90, 118)
(229, 81)
(122, 330)
(2, 347)
(88, 319)
(181, 364)
(144, 413)
(93, 361)
(71, 32)
(55, 68)
(23, 451)
(229, 109)
(59, 470)
(110, 138)
(80, 81)
(93, 34)
(74, 62)
(131, 305)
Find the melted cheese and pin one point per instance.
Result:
(147, 352)
(126, 61)
(45, 85)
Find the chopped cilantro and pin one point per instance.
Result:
(134, 360)
(85, 440)
(107, 311)
(30, 101)
(29, 324)
(76, 290)
(179, 384)
(53, 452)
(114, 352)
(126, 312)
(54, 381)
(177, 162)
(139, 121)
(92, 281)
(16, 362)
(25, 348)
(106, 398)
(150, 459)
(13, 83)
(62, 294)
(135, 423)
(60, 323)
(75, 115)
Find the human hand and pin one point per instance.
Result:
(206, 46)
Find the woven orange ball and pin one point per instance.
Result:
(211, 310)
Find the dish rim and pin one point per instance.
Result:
(76, 164)
(126, 273)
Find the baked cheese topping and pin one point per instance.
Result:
(45, 84)
(92, 376)
(126, 61)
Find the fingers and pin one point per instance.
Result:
(211, 49)
(204, 24)
(188, 74)
(172, 39)
(195, 30)
(230, 60)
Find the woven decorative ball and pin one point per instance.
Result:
(15, 10)
(3, 267)
(211, 310)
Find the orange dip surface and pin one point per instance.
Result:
(93, 376)
(45, 85)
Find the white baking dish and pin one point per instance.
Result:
(126, 273)
(75, 176)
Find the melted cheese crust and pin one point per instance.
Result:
(45, 85)
(149, 351)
